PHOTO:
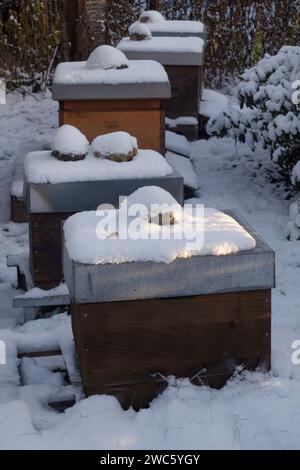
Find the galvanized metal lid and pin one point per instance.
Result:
(141, 80)
(165, 50)
(196, 275)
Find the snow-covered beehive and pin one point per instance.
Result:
(182, 58)
(56, 188)
(109, 93)
(144, 309)
(159, 26)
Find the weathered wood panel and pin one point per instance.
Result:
(45, 239)
(126, 348)
(18, 211)
(142, 118)
(186, 85)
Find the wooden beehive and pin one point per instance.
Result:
(200, 317)
(102, 101)
(183, 61)
(140, 342)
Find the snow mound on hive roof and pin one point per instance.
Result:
(113, 144)
(68, 140)
(107, 57)
(140, 29)
(151, 16)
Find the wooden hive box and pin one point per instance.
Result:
(183, 61)
(53, 193)
(17, 205)
(199, 317)
(18, 212)
(102, 101)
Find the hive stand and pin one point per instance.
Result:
(62, 397)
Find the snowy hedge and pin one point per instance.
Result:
(268, 113)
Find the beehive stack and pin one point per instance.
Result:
(179, 46)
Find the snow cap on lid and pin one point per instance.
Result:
(157, 201)
(139, 31)
(151, 16)
(107, 57)
(117, 146)
(69, 144)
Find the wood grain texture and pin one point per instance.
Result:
(126, 348)
(144, 119)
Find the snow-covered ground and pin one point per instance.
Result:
(24, 125)
(254, 410)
